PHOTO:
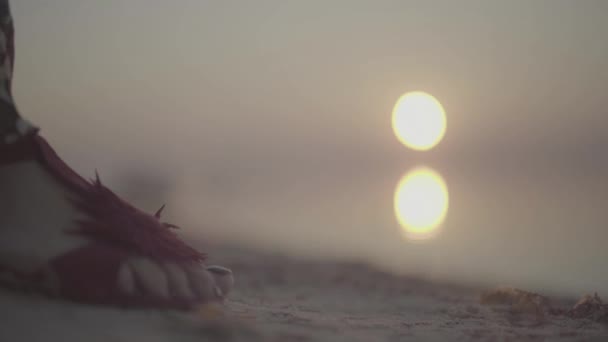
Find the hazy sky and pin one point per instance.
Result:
(233, 83)
(271, 120)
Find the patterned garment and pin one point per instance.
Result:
(12, 126)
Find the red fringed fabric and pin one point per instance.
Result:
(111, 219)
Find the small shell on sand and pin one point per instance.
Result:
(590, 307)
(510, 296)
(520, 301)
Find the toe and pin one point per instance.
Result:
(126, 279)
(151, 277)
(223, 278)
(179, 286)
(201, 282)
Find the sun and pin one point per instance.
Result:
(421, 203)
(419, 120)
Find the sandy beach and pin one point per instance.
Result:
(277, 298)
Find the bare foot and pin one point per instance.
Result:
(67, 236)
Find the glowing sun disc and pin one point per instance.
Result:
(421, 203)
(419, 120)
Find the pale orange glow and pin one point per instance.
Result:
(419, 120)
(421, 203)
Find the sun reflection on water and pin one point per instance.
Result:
(421, 203)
